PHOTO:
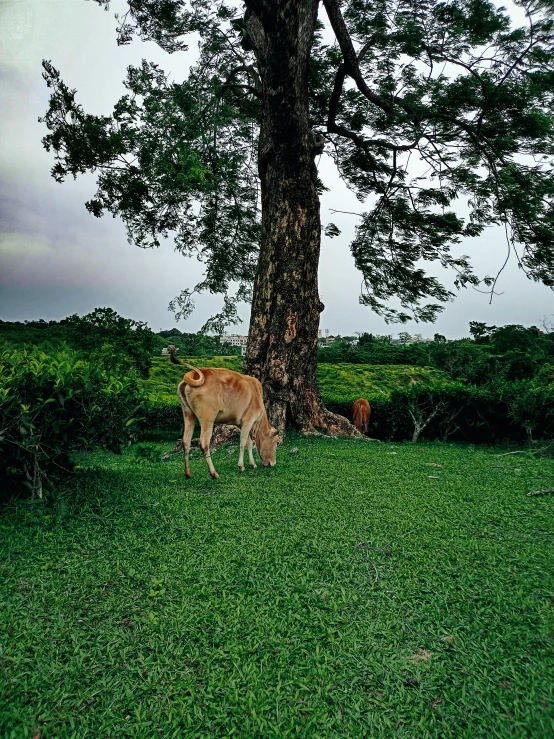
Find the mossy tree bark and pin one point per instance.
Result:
(282, 340)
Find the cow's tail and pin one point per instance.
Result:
(189, 378)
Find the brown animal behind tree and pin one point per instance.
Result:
(215, 395)
(361, 412)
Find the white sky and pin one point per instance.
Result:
(57, 259)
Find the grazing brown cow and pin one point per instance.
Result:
(222, 396)
(361, 412)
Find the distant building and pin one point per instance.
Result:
(234, 340)
(323, 341)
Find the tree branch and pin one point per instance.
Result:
(351, 61)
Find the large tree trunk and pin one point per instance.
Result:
(282, 340)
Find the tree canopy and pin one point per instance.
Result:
(420, 104)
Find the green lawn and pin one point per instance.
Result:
(355, 590)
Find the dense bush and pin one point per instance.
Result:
(52, 403)
(119, 345)
(480, 414)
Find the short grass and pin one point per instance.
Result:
(355, 590)
(339, 383)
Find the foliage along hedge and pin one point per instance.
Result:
(485, 414)
(340, 384)
(52, 403)
(407, 402)
(344, 383)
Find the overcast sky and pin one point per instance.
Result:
(57, 259)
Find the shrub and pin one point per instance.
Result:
(54, 402)
(120, 345)
(478, 414)
(530, 406)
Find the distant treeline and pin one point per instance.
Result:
(508, 352)
(115, 342)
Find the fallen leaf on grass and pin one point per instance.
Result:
(432, 464)
(433, 477)
(411, 682)
(436, 702)
(448, 639)
(294, 450)
(423, 654)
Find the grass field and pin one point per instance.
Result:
(355, 590)
(339, 383)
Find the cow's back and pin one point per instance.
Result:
(224, 394)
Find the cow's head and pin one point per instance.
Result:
(266, 444)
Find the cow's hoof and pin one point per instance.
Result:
(254, 466)
(241, 469)
(215, 476)
(188, 475)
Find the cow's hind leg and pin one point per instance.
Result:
(190, 422)
(206, 430)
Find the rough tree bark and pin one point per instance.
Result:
(282, 339)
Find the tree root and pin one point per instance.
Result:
(331, 424)
(222, 435)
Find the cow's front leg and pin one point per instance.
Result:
(205, 438)
(249, 444)
(244, 439)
